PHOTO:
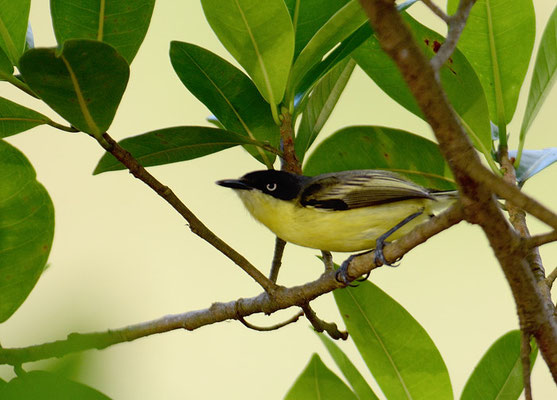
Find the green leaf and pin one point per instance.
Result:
(397, 350)
(26, 229)
(457, 77)
(352, 375)
(320, 383)
(308, 16)
(544, 75)
(170, 145)
(6, 67)
(14, 17)
(228, 93)
(122, 24)
(498, 375)
(41, 385)
(15, 118)
(260, 36)
(375, 147)
(339, 27)
(84, 83)
(498, 41)
(320, 105)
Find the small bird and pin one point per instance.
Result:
(346, 211)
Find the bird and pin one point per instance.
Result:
(346, 211)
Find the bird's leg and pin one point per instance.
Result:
(380, 242)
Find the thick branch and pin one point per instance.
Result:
(536, 314)
(195, 224)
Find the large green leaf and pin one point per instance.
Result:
(397, 350)
(498, 41)
(6, 67)
(84, 83)
(320, 105)
(375, 147)
(259, 34)
(352, 375)
(544, 75)
(498, 375)
(42, 385)
(320, 383)
(339, 27)
(170, 145)
(14, 16)
(308, 16)
(228, 93)
(26, 229)
(15, 118)
(121, 23)
(457, 77)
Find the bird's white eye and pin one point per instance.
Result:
(271, 186)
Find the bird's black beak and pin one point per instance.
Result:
(234, 184)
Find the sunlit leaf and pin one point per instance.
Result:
(26, 229)
(498, 375)
(375, 147)
(397, 350)
(260, 36)
(497, 40)
(170, 145)
(320, 383)
(533, 161)
(544, 75)
(84, 83)
(15, 118)
(352, 375)
(14, 16)
(122, 24)
(457, 77)
(320, 105)
(228, 93)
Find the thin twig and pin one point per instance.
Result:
(289, 321)
(538, 240)
(62, 127)
(437, 11)
(456, 23)
(327, 260)
(323, 326)
(525, 351)
(277, 259)
(551, 278)
(195, 224)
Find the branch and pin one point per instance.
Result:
(322, 326)
(281, 298)
(196, 226)
(437, 11)
(476, 184)
(277, 259)
(456, 24)
(289, 321)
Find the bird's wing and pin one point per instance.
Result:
(361, 188)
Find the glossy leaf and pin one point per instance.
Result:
(352, 375)
(84, 83)
(170, 145)
(260, 36)
(123, 24)
(26, 229)
(498, 41)
(498, 375)
(397, 350)
(228, 93)
(308, 16)
(375, 147)
(533, 161)
(6, 67)
(457, 77)
(42, 385)
(544, 75)
(339, 27)
(15, 118)
(14, 16)
(320, 383)
(320, 105)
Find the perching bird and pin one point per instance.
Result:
(344, 211)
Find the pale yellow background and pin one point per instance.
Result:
(121, 255)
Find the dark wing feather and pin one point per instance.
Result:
(360, 188)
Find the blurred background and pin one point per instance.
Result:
(121, 255)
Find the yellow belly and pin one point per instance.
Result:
(344, 231)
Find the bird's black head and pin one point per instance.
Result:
(279, 184)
